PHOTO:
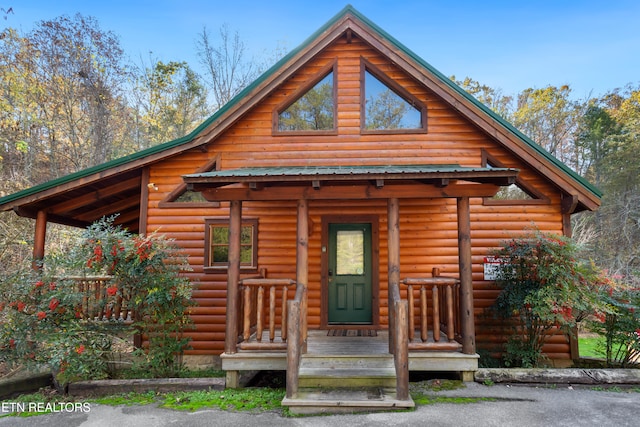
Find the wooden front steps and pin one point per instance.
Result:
(336, 401)
(345, 383)
(361, 368)
(343, 371)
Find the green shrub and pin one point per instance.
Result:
(618, 322)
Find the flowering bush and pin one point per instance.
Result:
(545, 286)
(40, 327)
(41, 313)
(146, 272)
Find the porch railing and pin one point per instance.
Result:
(98, 303)
(254, 302)
(444, 315)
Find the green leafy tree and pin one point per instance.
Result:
(550, 117)
(597, 134)
(491, 97)
(170, 100)
(610, 133)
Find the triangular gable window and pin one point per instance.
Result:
(388, 107)
(518, 193)
(512, 192)
(312, 109)
(182, 197)
(188, 196)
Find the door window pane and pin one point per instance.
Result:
(350, 252)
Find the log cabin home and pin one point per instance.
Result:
(338, 215)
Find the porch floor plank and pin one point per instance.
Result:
(319, 343)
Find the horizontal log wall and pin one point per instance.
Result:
(428, 227)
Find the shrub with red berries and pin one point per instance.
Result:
(44, 313)
(545, 287)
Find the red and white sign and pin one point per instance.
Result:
(492, 265)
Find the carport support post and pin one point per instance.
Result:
(466, 277)
(39, 240)
(233, 278)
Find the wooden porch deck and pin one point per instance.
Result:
(320, 344)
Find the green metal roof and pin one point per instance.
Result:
(266, 75)
(391, 173)
(312, 171)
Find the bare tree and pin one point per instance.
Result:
(227, 67)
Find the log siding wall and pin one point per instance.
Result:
(428, 227)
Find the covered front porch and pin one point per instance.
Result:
(430, 323)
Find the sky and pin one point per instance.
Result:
(591, 45)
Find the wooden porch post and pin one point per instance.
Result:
(302, 259)
(39, 240)
(233, 278)
(466, 277)
(393, 243)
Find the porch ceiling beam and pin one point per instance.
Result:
(29, 213)
(347, 192)
(96, 195)
(115, 207)
(443, 182)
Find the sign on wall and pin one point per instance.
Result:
(492, 265)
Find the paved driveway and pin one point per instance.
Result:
(514, 406)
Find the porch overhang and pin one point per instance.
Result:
(350, 182)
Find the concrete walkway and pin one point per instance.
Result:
(513, 406)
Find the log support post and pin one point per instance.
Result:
(302, 261)
(39, 240)
(233, 278)
(466, 277)
(393, 230)
(402, 350)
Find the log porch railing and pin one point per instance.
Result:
(253, 313)
(97, 304)
(445, 312)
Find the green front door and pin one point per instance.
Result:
(349, 275)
